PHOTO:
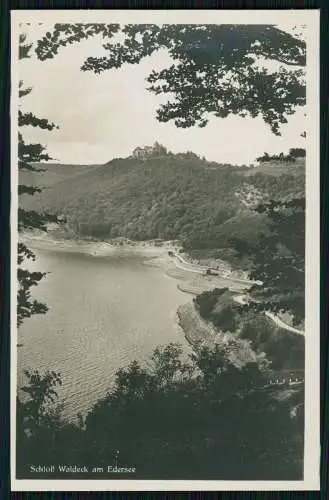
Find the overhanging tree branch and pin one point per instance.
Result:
(204, 56)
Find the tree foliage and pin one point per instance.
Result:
(41, 391)
(297, 152)
(28, 154)
(278, 259)
(214, 71)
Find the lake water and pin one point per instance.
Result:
(104, 313)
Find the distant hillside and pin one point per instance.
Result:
(203, 204)
(54, 172)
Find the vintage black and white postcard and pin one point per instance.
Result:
(165, 243)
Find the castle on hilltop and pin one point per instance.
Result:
(149, 151)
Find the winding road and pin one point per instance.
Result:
(181, 263)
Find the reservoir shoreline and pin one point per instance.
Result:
(189, 282)
(191, 278)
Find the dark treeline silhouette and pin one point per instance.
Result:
(297, 152)
(200, 418)
(289, 158)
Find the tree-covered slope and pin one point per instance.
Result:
(201, 203)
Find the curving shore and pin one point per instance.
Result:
(200, 332)
(94, 248)
(192, 279)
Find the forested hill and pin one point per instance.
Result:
(204, 204)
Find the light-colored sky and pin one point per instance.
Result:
(106, 116)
